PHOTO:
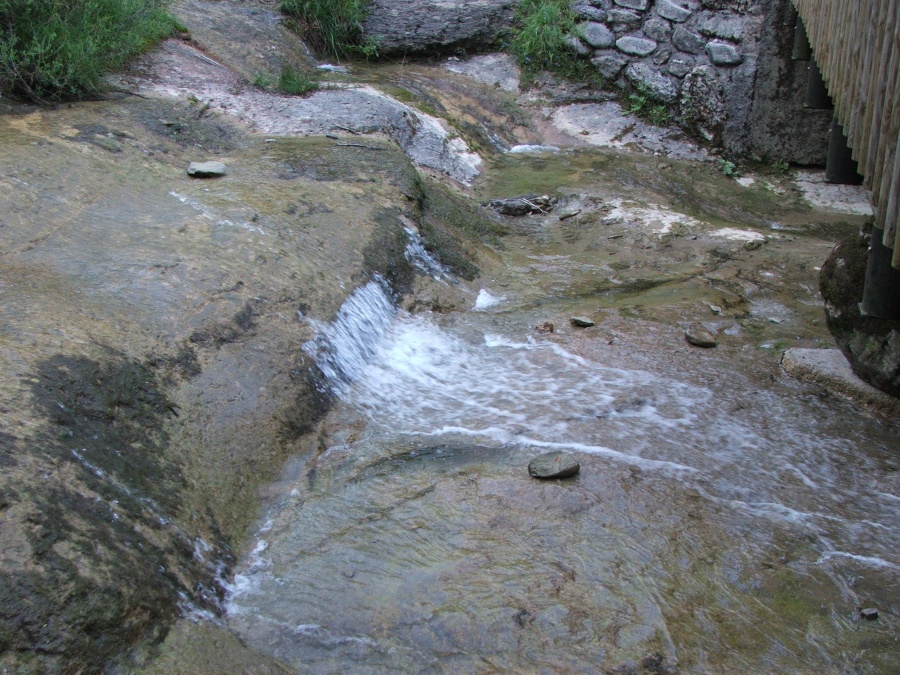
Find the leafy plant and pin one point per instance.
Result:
(643, 104)
(728, 168)
(331, 26)
(58, 49)
(296, 83)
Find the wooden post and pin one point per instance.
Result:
(816, 92)
(881, 295)
(802, 51)
(841, 167)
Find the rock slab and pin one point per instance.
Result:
(206, 169)
(581, 322)
(554, 465)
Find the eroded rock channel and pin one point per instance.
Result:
(280, 420)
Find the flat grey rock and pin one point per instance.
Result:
(581, 322)
(723, 54)
(206, 169)
(554, 465)
(672, 11)
(680, 66)
(577, 46)
(597, 35)
(636, 46)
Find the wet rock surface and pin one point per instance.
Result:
(872, 346)
(155, 384)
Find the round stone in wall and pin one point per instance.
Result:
(723, 54)
(633, 4)
(657, 29)
(672, 11)
(635, 46)
(597, 35)
(687, 41)
(649, 77)
(609, 64)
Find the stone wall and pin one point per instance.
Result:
(725, 63)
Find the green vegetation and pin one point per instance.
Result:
(58, 49)
(295, 83)
(332, 26)
(728, 168)
(642, 103)
(539, 39)
(262, 80)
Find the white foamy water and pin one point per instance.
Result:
(746, 449)
(486, 300)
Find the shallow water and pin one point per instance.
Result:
(727, 526)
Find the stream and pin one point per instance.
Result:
(718, 524)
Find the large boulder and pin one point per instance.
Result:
(872, 346)
(434, 26)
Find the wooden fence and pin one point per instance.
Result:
(856, 44)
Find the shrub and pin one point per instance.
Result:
(57, 49)
(331, 26)
(295, 83)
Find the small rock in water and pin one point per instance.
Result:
(869, 614)
(699, 338)
(206, 169)
(581, 322)
(545, 327)
(554, 465)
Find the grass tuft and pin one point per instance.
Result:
(60, 49)
(296, 83)
(331, 26)
(539, 39)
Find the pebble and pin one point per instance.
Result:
(869, 614)
(581, 322)
(554, 465)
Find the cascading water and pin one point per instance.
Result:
(391, 564)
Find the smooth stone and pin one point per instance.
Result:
(672, 11)
(723, 54)
(636, 46)
(597, 35)
(700, 338)
(869, 614)
(687, 41)
(206, 169)
(581, 322)
(609, 65)
(554, 465)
